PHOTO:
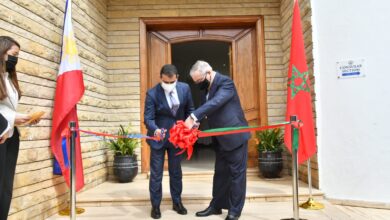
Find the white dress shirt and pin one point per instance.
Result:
(174, 94)
(8, 105)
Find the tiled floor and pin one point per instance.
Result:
(266, 200)
(252, 211)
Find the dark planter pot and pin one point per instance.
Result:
(125, 168)
(270, 164)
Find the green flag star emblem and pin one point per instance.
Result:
(298, 82)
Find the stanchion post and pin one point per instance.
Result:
(293, 119)
(72, 210)
(72, 172)
(294, 151)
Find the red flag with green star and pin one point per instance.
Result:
(299, 92)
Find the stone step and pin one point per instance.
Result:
(197, 189)
(251, 172)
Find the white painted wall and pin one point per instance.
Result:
(353, 115)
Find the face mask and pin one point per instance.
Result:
(204, 84)
(11, 63)
(168, 87)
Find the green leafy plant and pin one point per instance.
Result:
(123, 146)
(270, 140)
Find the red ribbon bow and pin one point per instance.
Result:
(184, 138)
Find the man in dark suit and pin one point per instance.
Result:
(166, 103)
(223, 109)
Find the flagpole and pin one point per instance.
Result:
(294, 151)
(72, 178)
(310, 203)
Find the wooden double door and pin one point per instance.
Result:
(246, 66)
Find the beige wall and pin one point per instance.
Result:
(37, 25)
(123, 26)
(286, 21)
(107, 33)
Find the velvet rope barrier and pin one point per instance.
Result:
(137, 136)
(184, 138)
(236, 130)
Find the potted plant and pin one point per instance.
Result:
(270, 147)
(125, 159)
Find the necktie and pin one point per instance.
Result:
(175, 103)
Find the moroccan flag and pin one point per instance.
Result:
(69, 90)
(298, 92)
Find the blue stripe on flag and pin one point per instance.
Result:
(56, 167)
(65, 152)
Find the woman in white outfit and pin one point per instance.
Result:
(9, 139)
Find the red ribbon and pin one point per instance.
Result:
(297, 124)
(118, 136)
(250, 129)
(184, 138)
(66, 133)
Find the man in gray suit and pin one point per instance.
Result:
(223, 109)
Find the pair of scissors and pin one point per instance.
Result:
(162, 135)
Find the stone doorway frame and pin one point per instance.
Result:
(175, 23)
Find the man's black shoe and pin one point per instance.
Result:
(155, 213)
(231, 217)
(209, 211)
(179, 208)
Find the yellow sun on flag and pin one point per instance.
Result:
(69, 48)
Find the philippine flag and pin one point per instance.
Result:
(69, 90)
